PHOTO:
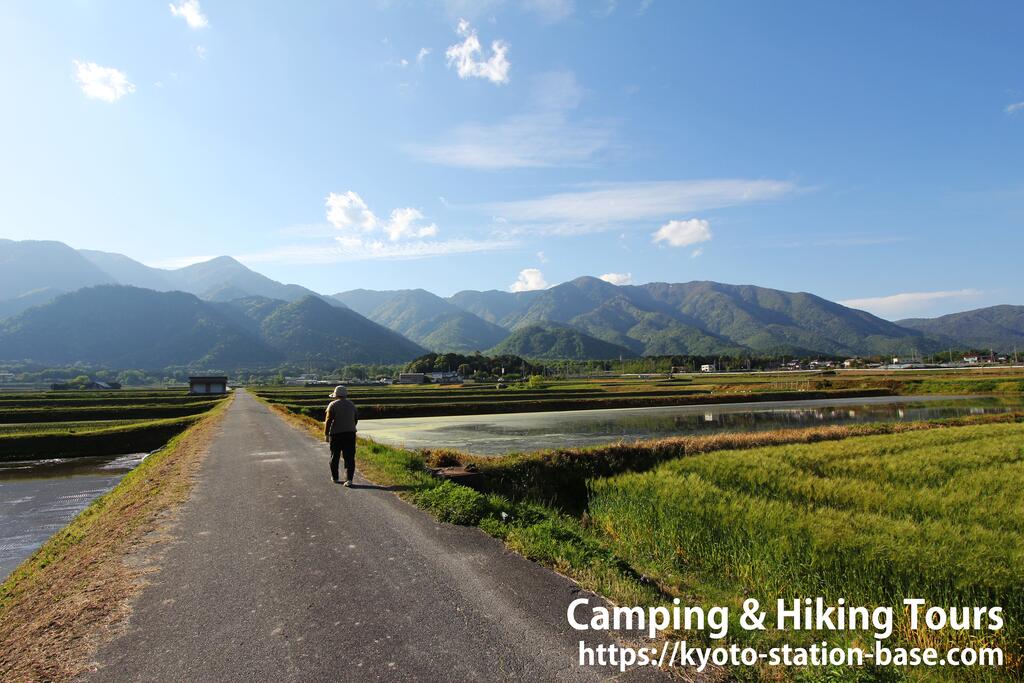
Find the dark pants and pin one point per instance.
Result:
(343, 444)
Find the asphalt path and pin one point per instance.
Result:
(275, 573)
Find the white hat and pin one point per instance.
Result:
(339, 392)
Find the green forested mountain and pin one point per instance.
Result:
(995, 327)
(312, 330)
(702, 318)
(555, 341)
(494, 306)
(130, 327)
(425, 318)
(773, 321)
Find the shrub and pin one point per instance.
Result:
(453, 503)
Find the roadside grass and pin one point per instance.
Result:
(877, 512)
(76, 587)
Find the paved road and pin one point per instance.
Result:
(277, 574)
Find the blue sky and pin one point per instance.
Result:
(867, 152)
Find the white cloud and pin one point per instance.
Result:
(617, 278)
(348, 212)
(1015, 107)
(529, 280)
(405, 223)
(683, 233)
(696, 252)
(906, 304)
(102, 82)
(357, 248)
(466, 57)
(542, 136)
(422, 54)
(608, 205)
(190, 11)
(200, 52)
(541, 257)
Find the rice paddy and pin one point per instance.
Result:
(35, 425)
(870, 513)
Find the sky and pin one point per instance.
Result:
(871, 153)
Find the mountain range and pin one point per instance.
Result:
(60, 305)
(994, 327)
(34, 272)
(130, 327)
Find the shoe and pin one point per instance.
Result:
(347, 484)
(336, 481)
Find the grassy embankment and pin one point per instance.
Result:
(872, 513)
(77, 586)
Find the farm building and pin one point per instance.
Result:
(204, 384)
(412, 378)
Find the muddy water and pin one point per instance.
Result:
(508, 433)
(39, 497)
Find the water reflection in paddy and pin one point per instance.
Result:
(39, 497)
(507, 433)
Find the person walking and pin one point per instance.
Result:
(340, 432)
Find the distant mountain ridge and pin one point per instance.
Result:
(131, 327)
(700, 318)
(691, 318)
(425, 318)
(995, 327)
(34, 272)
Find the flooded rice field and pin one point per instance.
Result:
(39, 497)
(517, 432)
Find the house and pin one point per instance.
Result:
(208, 384)
(971, 360)
(707, 368)
(412, 378)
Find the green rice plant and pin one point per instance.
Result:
(929, 514)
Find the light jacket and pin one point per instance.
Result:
(341, 416)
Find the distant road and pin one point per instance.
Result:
(278, 574)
